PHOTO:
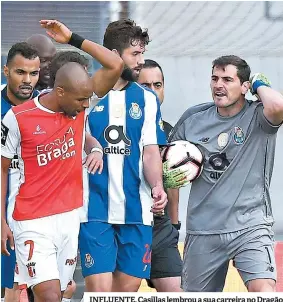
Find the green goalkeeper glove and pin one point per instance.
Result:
(174, 178)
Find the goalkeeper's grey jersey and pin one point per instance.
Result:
(232, 192)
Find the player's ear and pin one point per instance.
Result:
(245, 87)
(116, 52)
(60, 91)
(6, 71)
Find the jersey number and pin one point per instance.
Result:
(31, 247)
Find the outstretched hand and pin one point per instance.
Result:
(56, 30)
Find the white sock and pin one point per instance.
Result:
(66, 300)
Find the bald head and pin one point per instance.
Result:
(42, 44)
(72, 76)
(72, 89)
(46, 51)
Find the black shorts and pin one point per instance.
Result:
(165, 258)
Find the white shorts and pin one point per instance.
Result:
(46, 248)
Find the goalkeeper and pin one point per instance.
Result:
(229, 209)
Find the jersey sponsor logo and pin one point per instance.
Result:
(31, 269)
(71, 261)
(59, 148)
(219, 163)
(4, 134)
(135, 111)
(114, 134)
(39, 130)
(239, 136)
(89, 262)
(14, 163)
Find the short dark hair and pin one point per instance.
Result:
(123, 33)
(23, 49)
(153, 64)
(243, 69)
(60, 59)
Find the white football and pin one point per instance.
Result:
(186, 156)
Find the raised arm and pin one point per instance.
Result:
(112, 65)
(272, 100)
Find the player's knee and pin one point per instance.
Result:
(48, 291)
(262, 285)
(98, 287)
(12, 295)
(169, 284)
(48, 296)
(132, 286)
(99, 283)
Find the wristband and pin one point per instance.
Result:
(259, 83)
(96, 149)
(177, 226)
(76, 40)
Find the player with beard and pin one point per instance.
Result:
(22, 73)
(115, 240)
(46, 51)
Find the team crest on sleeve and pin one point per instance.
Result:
(88, 261)
(4, 134)
(239, 136)
(135, 111)
(161, 125)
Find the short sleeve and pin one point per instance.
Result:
(153, 130)
(94, 99)
(177, 133)
(10, 135)
(266, 126)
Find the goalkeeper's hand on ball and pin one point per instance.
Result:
(174, 178)
(257, 80)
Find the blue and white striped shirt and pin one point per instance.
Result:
(123, 122)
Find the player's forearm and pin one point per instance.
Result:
(90, 143)
(107, 58)
(173, 205)
(152, 165)
(4, 184)
(106, 77)
(273, 104)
